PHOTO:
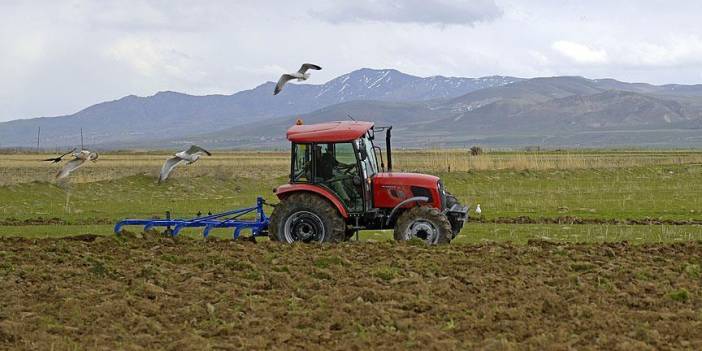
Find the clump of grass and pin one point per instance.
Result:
(6, 267)
(238, 265)
(416, 242)
(386, 273)
(693, 270)
(252, 275)
(172, 258)
(644, 275)
(680, 295)
(326, 262)
(98, 267)
(450, 325)
(582, 266)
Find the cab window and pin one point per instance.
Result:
(370, 163)
(302, 163)
(336, 168)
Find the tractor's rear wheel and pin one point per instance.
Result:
(425, 223)
(306, 217)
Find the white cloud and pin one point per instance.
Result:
(440, 12)
(580, 53)
(682, 50)
(57, 57)
(140, 54)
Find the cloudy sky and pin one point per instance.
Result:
(57, 57)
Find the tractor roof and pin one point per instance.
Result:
(329, 132)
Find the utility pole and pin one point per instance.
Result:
(81, 139)
(38, 135)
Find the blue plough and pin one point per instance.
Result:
(228, 219)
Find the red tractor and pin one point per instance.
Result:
(337, 187)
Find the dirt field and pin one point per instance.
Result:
(154, 293)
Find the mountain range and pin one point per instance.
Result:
(437, 111)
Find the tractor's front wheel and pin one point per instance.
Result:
(308, 218)
(425, 223)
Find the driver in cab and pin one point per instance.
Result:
(333, 172)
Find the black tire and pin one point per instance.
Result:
(306, 217)
(450, 200)
(425, 223)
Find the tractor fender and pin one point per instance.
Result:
(418, 199)
(284, 190)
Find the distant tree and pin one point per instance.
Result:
(476, 150)
(532, 148)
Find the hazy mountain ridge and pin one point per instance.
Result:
(173, 115)
(559, 109)
(448, 111)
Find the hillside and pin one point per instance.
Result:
(434, 111)
(557, 111)
(175, 115)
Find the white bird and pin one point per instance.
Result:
(300, 75)
(478, 211)
(78, 161)
(188, 156)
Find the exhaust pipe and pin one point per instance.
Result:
(388, 147)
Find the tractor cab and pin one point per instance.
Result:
(343, 168)
(337, 171)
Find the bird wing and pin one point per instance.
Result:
(195, 149)
(74, 149)
(306, 66)
(168, 167)
(283, 79)
(69, 167)
(59, 158)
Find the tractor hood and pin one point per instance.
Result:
(406, 179)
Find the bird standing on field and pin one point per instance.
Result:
(60, 158)
(78, 161)
(478, 211)
(188, 156)
(300, 75)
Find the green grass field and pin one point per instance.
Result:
(547, 187)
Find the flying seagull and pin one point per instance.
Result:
(78, 161)
(60, 158)
(300, 75)
(188, 156)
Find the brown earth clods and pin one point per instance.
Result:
(161, 293)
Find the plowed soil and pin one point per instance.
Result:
(160, 293)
